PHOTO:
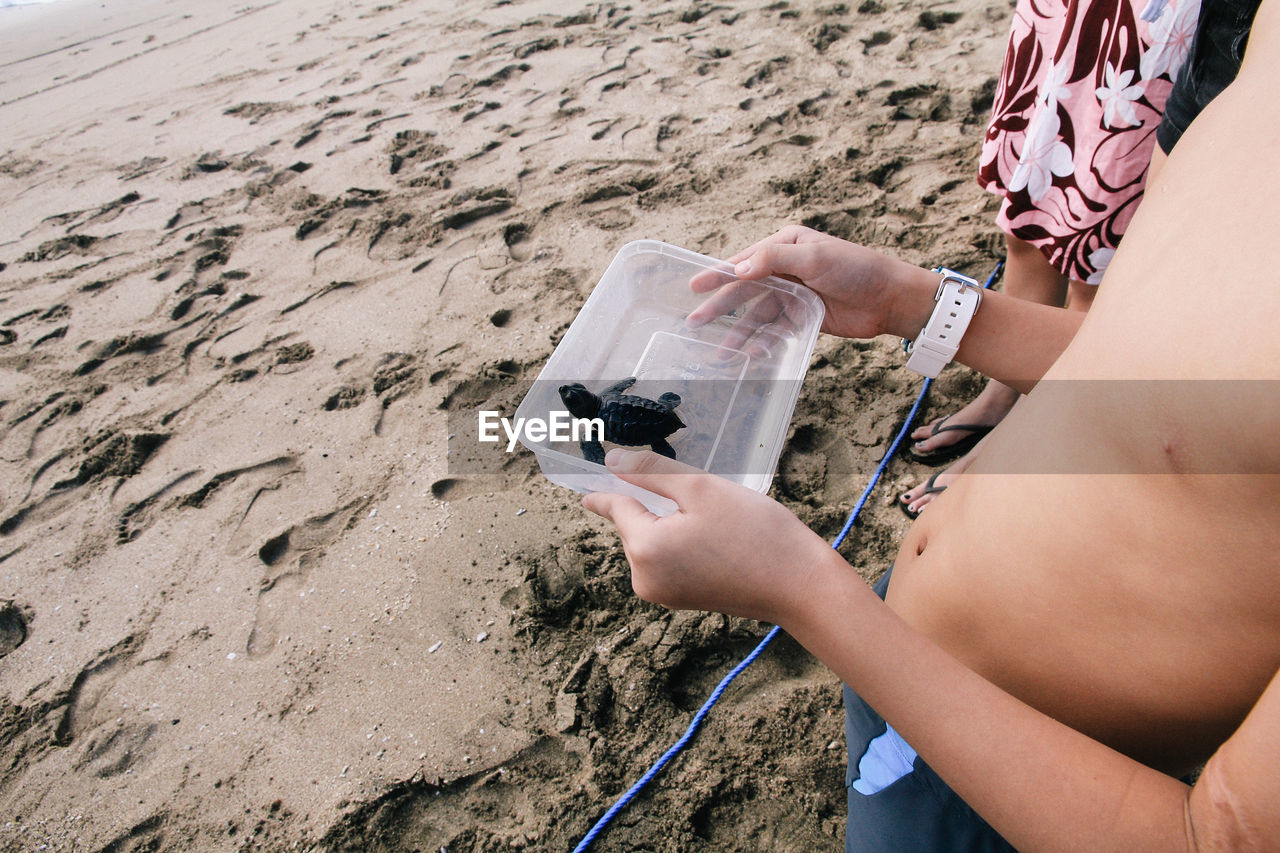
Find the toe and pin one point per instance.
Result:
(919, 504)
(924, 431)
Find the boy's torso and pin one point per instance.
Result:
(1113, 557)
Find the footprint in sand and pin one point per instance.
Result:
(802, 470)
(293, 354)
(827, 35)
(289, 557)
(118, 749)
(13, 627)
(346, 397)
(931, 20)
(144, 835)
(516, 236)
(456, 488)
(89, 687)
(876, 39)
(414, 147)
(473, 204)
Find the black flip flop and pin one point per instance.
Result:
(930, 488)
(977, 432)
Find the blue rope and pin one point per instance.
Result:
(696, 723)
(679, 745)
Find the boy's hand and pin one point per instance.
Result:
(865, 293)
(727, 549)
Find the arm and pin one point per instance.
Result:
(1041, 784)
(867, 294)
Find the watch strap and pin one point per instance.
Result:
(955, 303)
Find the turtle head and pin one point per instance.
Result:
(580, 402)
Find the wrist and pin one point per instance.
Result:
(955, 302)
(912, 301)
(841, 619)
(823, 572)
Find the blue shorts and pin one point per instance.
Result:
(1222, 34)
(897, 804)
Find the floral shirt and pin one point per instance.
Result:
(1073, 125)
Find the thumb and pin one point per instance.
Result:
(655, 472)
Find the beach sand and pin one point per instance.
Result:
(252, 260)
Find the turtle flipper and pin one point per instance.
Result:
(593, 451)
(619, 387)
(663, 447)
(671, 398)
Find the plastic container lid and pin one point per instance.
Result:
(737, 366)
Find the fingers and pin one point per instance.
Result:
(780, 259)
(789, 234)
(722, 302)
(711, 279)
(787, 254)
(626, 513)
(758, 319)
(657, 473)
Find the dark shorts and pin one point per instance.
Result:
(897, 804)
(1221, 37)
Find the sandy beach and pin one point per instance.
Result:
(253, 260)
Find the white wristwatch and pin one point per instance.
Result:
(956, 301)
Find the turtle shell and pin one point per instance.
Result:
(633, 420)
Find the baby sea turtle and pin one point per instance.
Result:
(628, 419)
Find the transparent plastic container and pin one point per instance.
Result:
(737, 366)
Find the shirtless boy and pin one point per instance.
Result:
(1057, 646)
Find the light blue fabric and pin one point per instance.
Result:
(888, 758)
(1153, 10)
